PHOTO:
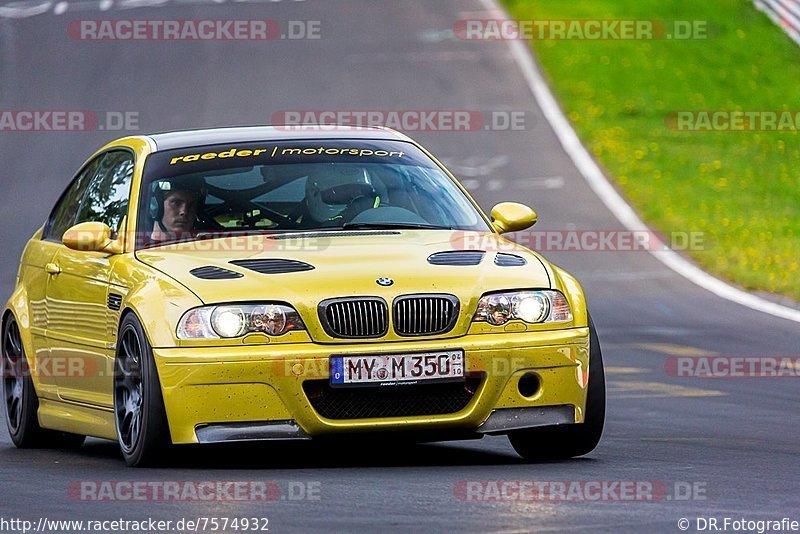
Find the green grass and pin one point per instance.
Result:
(741, 189)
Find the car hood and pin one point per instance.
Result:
(343, 264)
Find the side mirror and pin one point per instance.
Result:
(513, 217)
(91, 237)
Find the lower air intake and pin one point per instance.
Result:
(390, 401)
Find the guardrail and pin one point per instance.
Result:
(784, 13)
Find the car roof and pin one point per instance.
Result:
(248, 134)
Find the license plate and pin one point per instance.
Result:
(397, 369)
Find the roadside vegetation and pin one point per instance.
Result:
(740, 188)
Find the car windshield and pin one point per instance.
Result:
(206, 192)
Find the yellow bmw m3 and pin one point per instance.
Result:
(276, 283)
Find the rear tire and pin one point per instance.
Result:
(567, 441)
(20, 399)
(140, 420)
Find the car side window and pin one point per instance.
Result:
(106, 198)
(63, 214)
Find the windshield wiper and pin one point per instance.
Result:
(393, 225)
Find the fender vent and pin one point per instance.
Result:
(509, 260)
(214, 273)
(274, 266)
(456, 257)
(114, 301)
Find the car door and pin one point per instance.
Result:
(37, 266)
(78, 309)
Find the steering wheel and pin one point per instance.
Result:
(359, 205)
(241, 200)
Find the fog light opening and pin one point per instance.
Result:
(529, 385)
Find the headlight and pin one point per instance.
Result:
(230, 321)
(541, 306)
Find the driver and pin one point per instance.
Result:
(173, 208)
(335, 198)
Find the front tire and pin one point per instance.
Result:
(21, 402)
(141, 423)
(567, 441)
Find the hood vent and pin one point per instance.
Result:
(274, 266)
(214, 273)
(509, 260)
(457, 257)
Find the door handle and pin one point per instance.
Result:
(52, 268)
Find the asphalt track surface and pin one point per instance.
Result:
(735, 439)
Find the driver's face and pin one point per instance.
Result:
(180, 211)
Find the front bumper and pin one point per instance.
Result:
(257, 390)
